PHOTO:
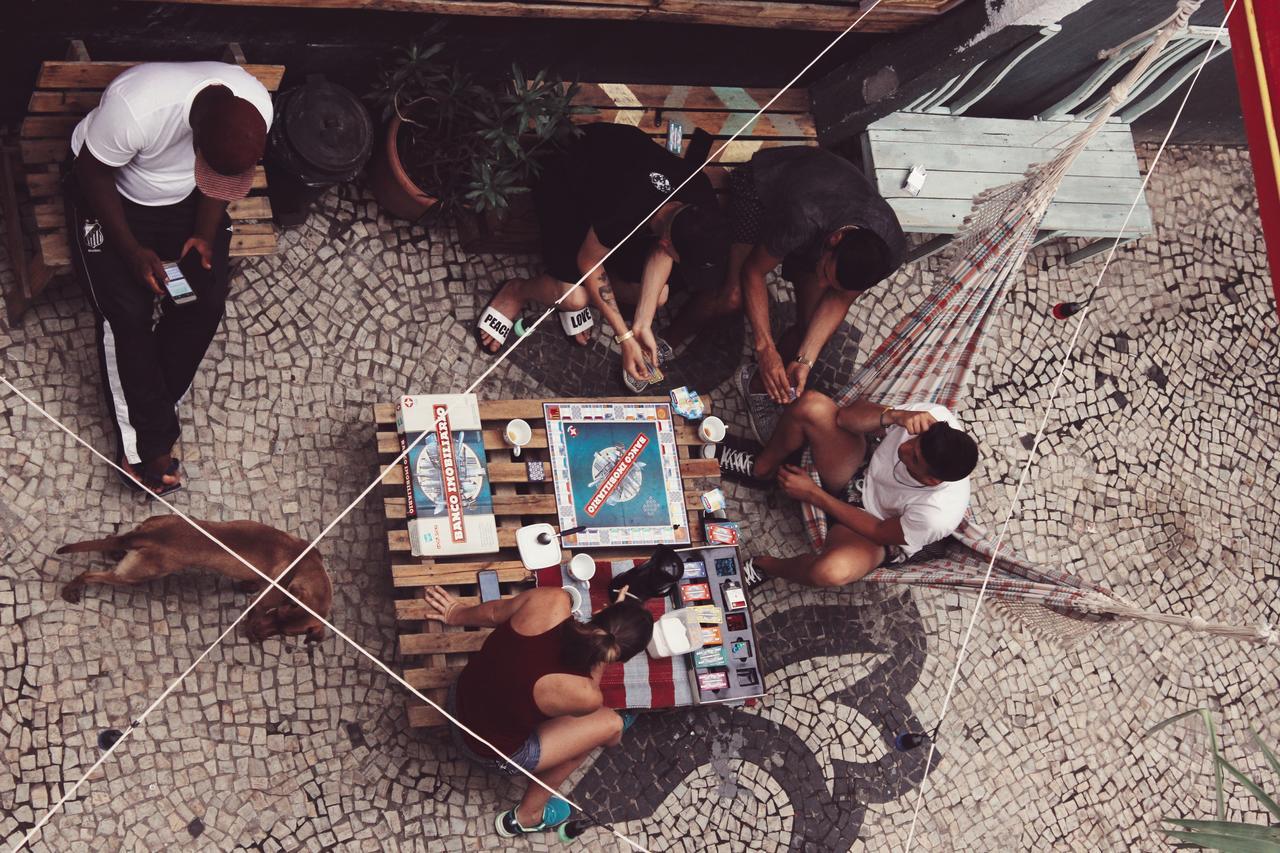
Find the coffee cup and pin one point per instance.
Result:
(711, 430)
(517, 434)
(582, 567)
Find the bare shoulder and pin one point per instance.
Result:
(540, 609)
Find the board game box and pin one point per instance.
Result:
(448, 503)
(616, 473)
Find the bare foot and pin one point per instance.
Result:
(582, 338)
(509, 304)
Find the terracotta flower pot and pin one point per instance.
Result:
(392, 187)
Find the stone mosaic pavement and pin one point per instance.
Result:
(1159, 478)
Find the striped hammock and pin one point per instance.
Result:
(929, 356)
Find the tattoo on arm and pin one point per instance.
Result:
(606, 292)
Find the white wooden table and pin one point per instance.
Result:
(965, 156)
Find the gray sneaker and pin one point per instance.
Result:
(762, 412)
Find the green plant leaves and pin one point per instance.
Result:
(472, 145)
(1222, 834)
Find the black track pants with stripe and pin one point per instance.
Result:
(147, 364)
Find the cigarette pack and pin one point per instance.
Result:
(707, 614)
(695, 592)
(722, 532)
(695, 569)
(713, 680)
(709, 657)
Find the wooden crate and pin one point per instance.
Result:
(433, 654)
(36, 227)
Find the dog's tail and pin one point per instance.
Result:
(111, 543)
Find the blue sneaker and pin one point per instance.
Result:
(628, 718)
(554, 813)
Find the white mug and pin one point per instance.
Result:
(517, 434)
(712, 430)
(582, 567)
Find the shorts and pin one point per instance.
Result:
(526, 756)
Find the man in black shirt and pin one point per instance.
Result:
(822, 219)
(612, 180)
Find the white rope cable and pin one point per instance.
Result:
(1031, 458)
(272, 582)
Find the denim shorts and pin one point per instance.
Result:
(526, 756)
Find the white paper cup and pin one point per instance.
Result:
(517, 434)
(712, 430)
(582, 567)
(575, 597)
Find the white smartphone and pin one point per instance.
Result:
(179, 290)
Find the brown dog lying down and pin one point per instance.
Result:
(164, 544)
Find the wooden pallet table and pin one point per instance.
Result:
(433, 654)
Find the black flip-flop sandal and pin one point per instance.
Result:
(149, 483)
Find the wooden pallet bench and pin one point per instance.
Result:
(36, 236)
(433, 654)
(966, 155)
(720, 111)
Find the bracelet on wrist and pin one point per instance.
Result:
(625, 336)
(887, 410)
(799, 359)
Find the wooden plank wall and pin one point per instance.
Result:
(832, 16)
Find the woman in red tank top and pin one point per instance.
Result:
(533, 688)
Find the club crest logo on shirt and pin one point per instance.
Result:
(93, 236)
(660, 182)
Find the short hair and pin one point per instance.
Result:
(700, 235)
(949, 454)
(617, 633)
(862, 260)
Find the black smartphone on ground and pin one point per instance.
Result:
(177, 286)
(488, 581)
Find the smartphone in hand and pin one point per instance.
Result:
(177, 286)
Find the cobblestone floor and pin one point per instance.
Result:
(1159, 478)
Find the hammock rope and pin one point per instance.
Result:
(929, 356)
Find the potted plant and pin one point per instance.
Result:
(457, 144)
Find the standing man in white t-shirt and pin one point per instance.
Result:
(156, 162)
(903, 473)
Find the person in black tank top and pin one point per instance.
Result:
(533, 689)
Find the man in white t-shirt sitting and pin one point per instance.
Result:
(156, 162)
(902, 475)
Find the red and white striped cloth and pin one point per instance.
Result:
(641, 682)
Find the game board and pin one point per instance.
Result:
(616, 473)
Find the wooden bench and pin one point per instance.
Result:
(433, 654)
(965, 156)
(822, 15)
(720, 111)
(36, 235)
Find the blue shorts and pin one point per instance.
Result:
(526, 756)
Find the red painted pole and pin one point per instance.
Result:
(1255, 49)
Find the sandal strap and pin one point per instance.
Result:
(495, 324)
(576, 322)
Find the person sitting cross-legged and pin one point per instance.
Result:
(533, 689)
(902, 473)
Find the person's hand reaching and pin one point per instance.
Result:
(798, 375)
(774, 376)
(147, 268)
(440, 604)
(633, 360)
(797, 484)
(913, 422)
(648, 343)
